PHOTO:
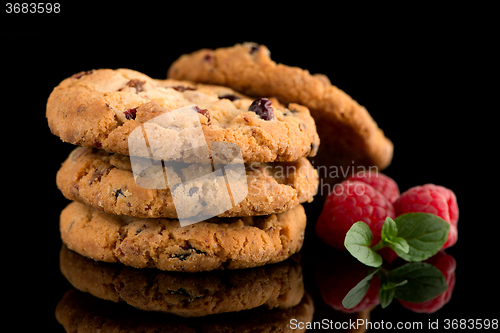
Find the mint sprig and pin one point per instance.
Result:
(413, 236)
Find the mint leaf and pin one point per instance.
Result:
(424, 233)
(424, 282)
(356, 294)
(399, 243)
(389, 229)
(358, 241)
(389, 237)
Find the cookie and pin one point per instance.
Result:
(106, 182)
(187, 295)
(101, 108)
(218, 243)
(81, 312)
(349, 135)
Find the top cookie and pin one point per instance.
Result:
(347, 131)
(101, 108)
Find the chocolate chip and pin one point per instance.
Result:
(131, 113)
(181, 257)
(137, 84)
(262, 106)
(183, 88)
(198, 251)
(230, 97)
(186, 246)
(119, 192)
(254, 48)
(83, 73)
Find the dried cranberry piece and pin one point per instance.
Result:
(137, 84)
(208, 57)
(204, 112)
(183, 88)
(131, 113)
(230, 97)
(262, 106)
(83, 73)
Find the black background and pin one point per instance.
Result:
(426, 76)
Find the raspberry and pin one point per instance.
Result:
(446, 264)
(433, 199)
(348, 203)
(382, 183)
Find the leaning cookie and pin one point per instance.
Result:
(101, 108)
(347, 131)
(218, 243)
(106, 182)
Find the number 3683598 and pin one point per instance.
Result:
(32, 8)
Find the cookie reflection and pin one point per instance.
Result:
(81, 312)
(188, 295)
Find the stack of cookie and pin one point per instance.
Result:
(180, 176)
